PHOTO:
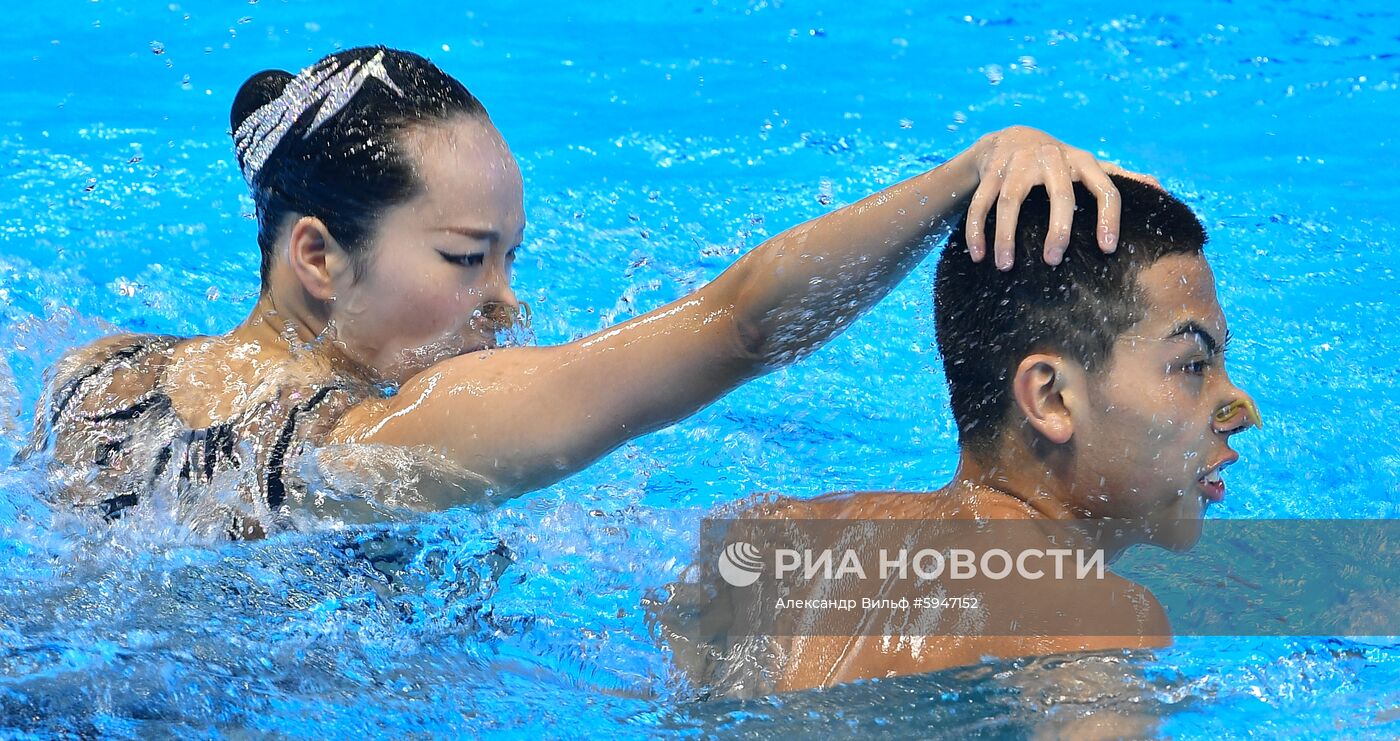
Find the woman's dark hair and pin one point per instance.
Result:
(353, 166)
(987, 320)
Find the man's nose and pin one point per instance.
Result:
(1237, 414)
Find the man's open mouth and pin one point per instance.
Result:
(1213, 484)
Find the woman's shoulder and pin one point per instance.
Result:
(104, 380)
(108, 371)
(124, 343)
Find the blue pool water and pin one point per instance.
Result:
(658, 141)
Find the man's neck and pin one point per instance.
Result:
(1040, 487)
(1027, 480)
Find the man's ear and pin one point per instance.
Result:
(1045, 388)
(316, 258)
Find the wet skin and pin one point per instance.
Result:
(1130, 445)
(1149, 431)
(419, 309)
(438, 282)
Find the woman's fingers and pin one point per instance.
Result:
(977, 210)
(1094, 178)
(1059, 186)
(1018, 159)
(1023, 174)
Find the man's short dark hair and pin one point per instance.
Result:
(988, 320)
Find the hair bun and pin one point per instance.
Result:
(259, 90)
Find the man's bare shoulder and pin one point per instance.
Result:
(942, 504)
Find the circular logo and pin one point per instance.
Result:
(740, 564)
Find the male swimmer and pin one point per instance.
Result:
(1094, 412)
(389, 211)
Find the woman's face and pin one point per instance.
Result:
(437, 275)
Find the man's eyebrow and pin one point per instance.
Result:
(1192, 327)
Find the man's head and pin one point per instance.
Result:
(1107, 368)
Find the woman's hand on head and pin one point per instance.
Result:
(1009, 164)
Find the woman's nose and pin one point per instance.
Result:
(499, 291)
(499, 304)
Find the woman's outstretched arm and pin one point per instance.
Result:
(523, 418)
(805, 285)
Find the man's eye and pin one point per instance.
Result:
(1197, 367)
(473, 259)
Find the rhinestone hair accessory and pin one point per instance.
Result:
(322, 84)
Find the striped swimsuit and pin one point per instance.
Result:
(115, 438)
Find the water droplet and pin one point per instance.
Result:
(157, 48)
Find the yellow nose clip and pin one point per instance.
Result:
(1227, 415)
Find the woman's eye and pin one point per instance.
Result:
(473, 259)
(1197, 367)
